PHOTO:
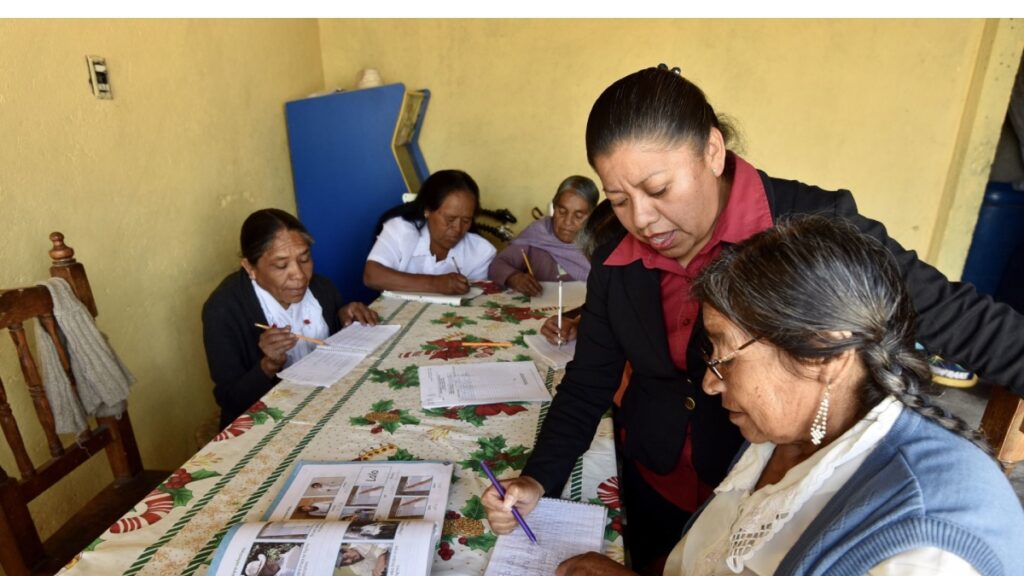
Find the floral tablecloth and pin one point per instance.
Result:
(373, 413)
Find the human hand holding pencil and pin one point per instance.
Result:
(521, 496)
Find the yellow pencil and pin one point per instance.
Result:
(528, 267)
(299, 336)
(486, 344)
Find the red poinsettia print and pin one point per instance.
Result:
(608, 492)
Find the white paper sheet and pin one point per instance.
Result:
(573, 295)
(432, 298)
(563, 529)
(359, 338)
(322, 367)
(556, 357)
(488, 383)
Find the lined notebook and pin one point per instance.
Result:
(563, 528)
(340, 353)
(432, 298)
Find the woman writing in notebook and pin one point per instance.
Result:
(661, 154)
(275, 287)
(426, 245)
(546, 251)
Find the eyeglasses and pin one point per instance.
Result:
(714, 363)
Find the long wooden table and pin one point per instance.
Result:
(373, 413)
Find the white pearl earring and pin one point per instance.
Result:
(821, 417)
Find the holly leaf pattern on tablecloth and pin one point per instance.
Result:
(383, 416)
(511, 314)
(403, 455)
(493, 451)
(477, 414)
(453, 320)
(518, 340)
(261, 413)
(409, 377)
(613, 529)
(474, 508)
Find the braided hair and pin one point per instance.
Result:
(799, 284)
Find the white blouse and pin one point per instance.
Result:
(400, 246)
(749, 532)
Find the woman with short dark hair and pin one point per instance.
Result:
(426, 245)
(275, 287)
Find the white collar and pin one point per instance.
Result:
(777, 503)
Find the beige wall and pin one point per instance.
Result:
(876, 107)
(150, 189)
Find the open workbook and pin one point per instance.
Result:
(346, 518)
(339, 354)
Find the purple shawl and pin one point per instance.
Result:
(540, 234)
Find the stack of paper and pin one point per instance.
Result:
(487, 383)
(432, 298)
(339, 355)
(555, 356)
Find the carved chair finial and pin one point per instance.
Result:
(61, 253)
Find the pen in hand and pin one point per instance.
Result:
(501, 493)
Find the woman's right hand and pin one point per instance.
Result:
(569, 328)
(524, 284)
(523, 492)
(275, 343)
(451, 283)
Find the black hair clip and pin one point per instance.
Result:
(675, 69)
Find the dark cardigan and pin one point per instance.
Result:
(231, 339)
(623, 320)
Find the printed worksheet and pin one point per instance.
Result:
(322, 367)
(488, 383)
(563, 529)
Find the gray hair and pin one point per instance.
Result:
(800, 283)
(580, 185)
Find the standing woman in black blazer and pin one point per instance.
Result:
(663, 159)
(275, 287)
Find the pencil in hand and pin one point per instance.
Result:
(299, 336)
(529, 268)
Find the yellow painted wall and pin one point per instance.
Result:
(149, 188)
(872, 106)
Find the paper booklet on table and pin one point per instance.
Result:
(573, 295)
(341, 352)
(432, 298)
(555, 356)
(443, 386)
(563, 529)
(344, 518)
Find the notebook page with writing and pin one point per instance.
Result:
(322, 367)
(563, 528)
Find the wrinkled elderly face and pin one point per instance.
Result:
(451, 221)
(767, 395)
(666, 196)
(284, 269)
(571, 212)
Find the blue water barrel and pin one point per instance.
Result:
(998, 235)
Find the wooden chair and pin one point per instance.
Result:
(1003, 426)
(21, 550)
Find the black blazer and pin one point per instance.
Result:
(623, 320)
(231, 339)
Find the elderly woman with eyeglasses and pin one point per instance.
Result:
(847, 469)
(682, 196)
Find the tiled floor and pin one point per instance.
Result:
(969, 404)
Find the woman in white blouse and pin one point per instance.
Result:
(426, 245)
(847, 469)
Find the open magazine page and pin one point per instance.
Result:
(318, 547)
(364, 491)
